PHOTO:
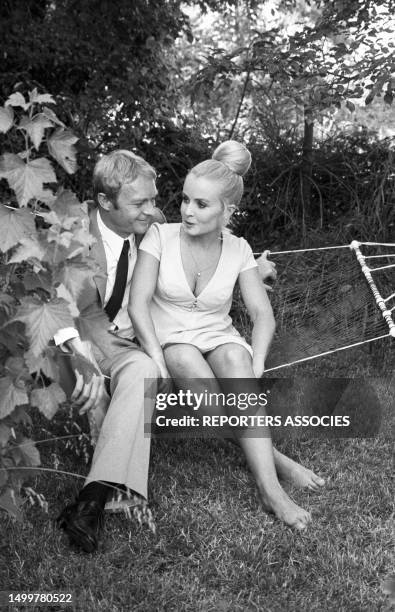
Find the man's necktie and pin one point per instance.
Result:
(115, 302)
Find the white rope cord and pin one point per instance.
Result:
(382, 268)
(376, 256)
(340, 246)
(387, 299)
(342, 348)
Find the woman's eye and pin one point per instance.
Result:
(201, 205)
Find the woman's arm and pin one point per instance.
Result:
(145, 276)
(261, 313)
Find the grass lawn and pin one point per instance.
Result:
(215, 548)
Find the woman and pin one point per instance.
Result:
(180, 300)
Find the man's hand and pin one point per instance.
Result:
(267, 269)
(89, 390)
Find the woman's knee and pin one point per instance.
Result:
(182, 359)
(235, 358)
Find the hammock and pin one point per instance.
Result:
(330, 299)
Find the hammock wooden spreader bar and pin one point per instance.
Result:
(355, 246)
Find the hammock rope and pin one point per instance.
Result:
(382, 302)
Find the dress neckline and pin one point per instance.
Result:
(219, 263)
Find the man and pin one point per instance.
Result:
(124, 193)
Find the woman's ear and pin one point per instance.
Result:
(228, 212)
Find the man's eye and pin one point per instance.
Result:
(201, 205)
(184, 200)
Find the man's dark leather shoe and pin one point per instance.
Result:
(82, 522)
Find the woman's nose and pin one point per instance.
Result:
(188, 210)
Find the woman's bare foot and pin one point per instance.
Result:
(285, 509)
(295, 474)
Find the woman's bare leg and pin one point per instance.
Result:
(190, 371)
(232, 361)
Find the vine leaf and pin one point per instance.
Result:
(11, 503)
(76, 278)
(48, 400)
(63, 292)
(43, 320)
(30, 248)
(48, 112)
(35, 128)
(26, 178)
(17, 99)
(5, 433)
(29, 452)
(61, 147)
(44, 363)
(36, 98)
(6, 118)
(10, 396)
(14, 226)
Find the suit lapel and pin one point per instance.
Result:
(99, 255)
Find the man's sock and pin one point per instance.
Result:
(99, 492)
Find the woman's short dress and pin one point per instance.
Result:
(178, 315)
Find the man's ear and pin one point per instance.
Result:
(104, 202)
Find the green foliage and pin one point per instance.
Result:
(43, 240)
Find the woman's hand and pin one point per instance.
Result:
(258, 365)
(267, 269)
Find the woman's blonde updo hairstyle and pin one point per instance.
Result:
(229, 163)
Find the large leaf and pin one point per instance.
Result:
(11, 503)
(5, 434)
(6, 118)
(35, 128)
(7, 303)
(43, 320)
(29, 248)
(17, 99)
(14, 226)
(44, 363)
(10, 396)
(76, 278)
(48, 400)
(51, 115)
(63, 292)
(36, 98)
(61, 147)
(26, 178)
(30, 454)
(12, 336)
(68, 206)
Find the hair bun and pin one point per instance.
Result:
(234, 155)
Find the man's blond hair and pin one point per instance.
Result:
(117, 169)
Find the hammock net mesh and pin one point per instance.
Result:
(322, 302)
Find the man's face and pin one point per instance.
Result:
(135, 206)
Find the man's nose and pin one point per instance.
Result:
(148, 207)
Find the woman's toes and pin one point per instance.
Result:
(318, 480)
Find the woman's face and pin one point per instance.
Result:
(202, 210)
